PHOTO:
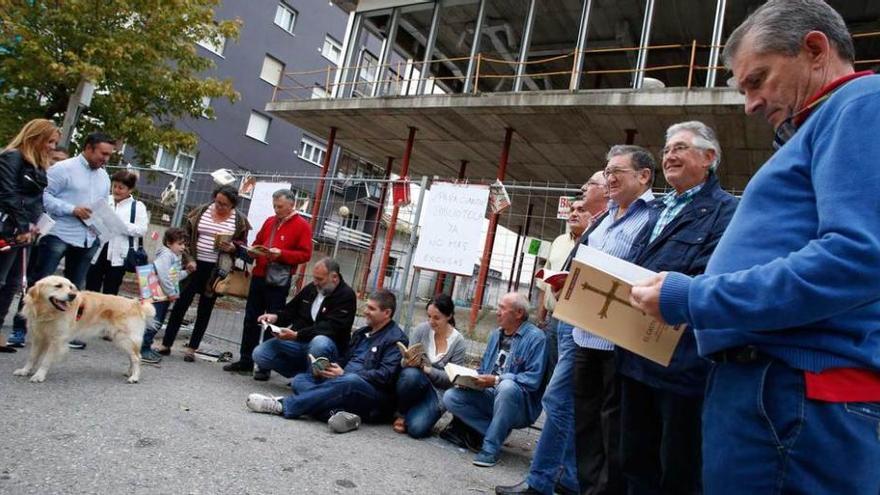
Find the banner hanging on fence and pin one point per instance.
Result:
(563, 209)
(452, 228)
(261, 205)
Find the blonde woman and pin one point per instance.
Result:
(23, 165)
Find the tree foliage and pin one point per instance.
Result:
(141, 55)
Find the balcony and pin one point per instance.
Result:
(352, 237)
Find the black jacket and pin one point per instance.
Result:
(683, 246)
(382, 363)
(335, 317)
(21, 192)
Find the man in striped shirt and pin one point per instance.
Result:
(629, 174)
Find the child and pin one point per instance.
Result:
(167, 258)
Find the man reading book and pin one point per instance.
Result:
(359, 385)
(510, 377)
(316, 321)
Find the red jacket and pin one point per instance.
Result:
(293, 238)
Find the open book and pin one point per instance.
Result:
(319, 364)
(268, 326)
(414, 354)
(596, 298)
(461, 376)
(555, 279)
(220, 238)
(258, 250)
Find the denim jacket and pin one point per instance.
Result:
(527, 361)
(382, 364)
(685, 246)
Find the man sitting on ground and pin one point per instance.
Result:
(510, 375)
(316, 321)
(361, 384)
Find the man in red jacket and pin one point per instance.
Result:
(283, 242)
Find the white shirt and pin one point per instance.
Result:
(316, 305)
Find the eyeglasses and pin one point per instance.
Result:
(608, 172)
(592, 183)
(676, 148)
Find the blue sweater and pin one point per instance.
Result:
(797, 273)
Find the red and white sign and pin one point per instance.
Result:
(564, 207)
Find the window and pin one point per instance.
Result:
(285, 17)
(258, 127)
(272, 70)
(319, 92)
(213, 46)
(312, 151)
(368, 65)
(179, 163)
(331, 50)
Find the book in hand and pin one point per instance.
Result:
(596, 298)
(462, 376)
(259, 250)
(413, 356)
(220, 238)
(555, 279)
(148, 284)
(319, 364)
(273, 328)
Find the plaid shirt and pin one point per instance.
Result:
(674, 204)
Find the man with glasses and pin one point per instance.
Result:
(661, 406)
(788, 308)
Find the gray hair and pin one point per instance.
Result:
(640, 158)
(704, 138)
(779, 26)
(284, 193)
(330, 264)
(519, 301)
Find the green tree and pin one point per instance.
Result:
(141, 54)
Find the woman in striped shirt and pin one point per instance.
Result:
(209, 260)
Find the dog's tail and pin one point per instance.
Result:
(148, 313)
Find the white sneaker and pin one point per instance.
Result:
(343, 422)
(264, 404)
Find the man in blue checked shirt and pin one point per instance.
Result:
(74, 185)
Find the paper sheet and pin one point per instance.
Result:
(105, 222)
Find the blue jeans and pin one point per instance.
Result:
(318, 397)
(493, 412)
(417, 401)
(261, 299)
(290, 357)
(77, 261)
(554, 459)
(150, 332)
(762, 435)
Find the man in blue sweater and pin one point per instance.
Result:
(789, 305)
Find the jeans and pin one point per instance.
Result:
(494, 412)
(104, 277)
(762, 435)
(262, 299)
(290, 357)
(553, 345)
(150, 332)
(318, 397)
(76, 264)
(597, 422)
(554, 460)
(660, 439)
(417, 401)
(10, 278)
(198, 281)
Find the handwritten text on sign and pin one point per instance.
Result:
(452, 228)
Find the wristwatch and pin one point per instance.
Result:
(497, 380)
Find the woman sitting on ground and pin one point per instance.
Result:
(421, 384)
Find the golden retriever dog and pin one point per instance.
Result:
(57, 312)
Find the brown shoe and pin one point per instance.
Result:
(189, 354)
(399, 425)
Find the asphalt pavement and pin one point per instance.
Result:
(185, 430)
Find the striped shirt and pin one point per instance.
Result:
(208, 228)
(674, 204)
(615, 237)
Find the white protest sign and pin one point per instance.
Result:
(563, 209)
(452, 224)
(261, 206)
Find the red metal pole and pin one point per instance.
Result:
(363, 287)
(392, 225)
(490, 236)
(316, 205)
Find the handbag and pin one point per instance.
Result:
(236, 283)
(277, 274)
(135, 257)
